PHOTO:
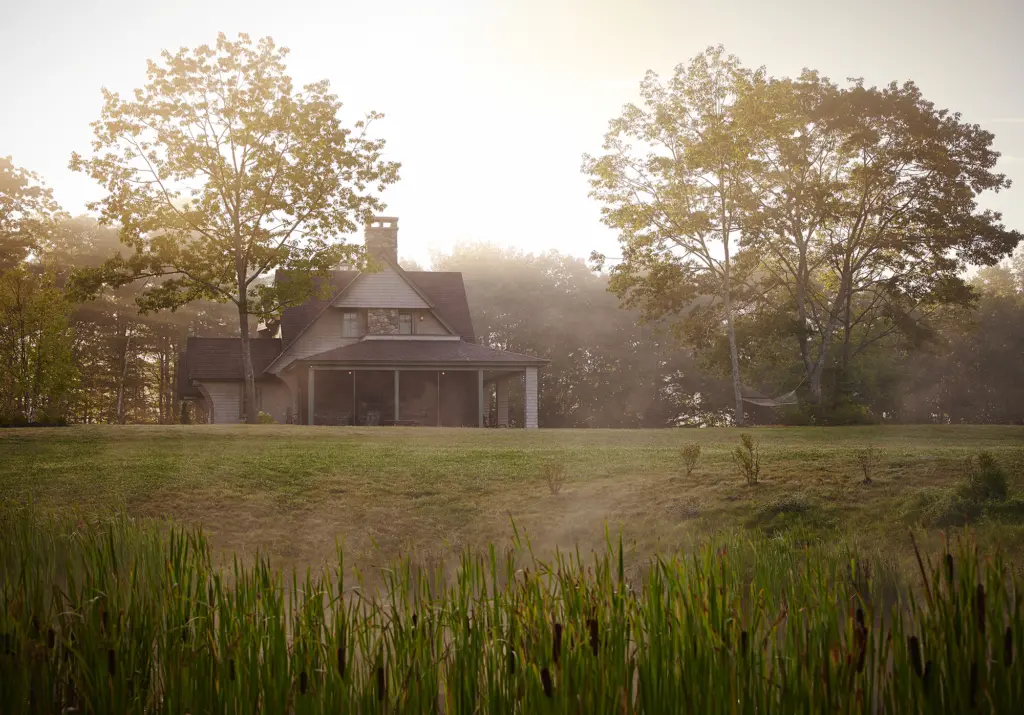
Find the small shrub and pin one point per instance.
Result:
(868, 459)
(689, 456)
(792, 514)
(554, 475)
(986, 481)
(266, 418)
(748, 458)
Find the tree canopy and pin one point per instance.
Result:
(219, 170)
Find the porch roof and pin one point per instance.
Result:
(423, 353)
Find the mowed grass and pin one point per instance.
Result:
(294, 491)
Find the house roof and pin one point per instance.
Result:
(221, 358)
(444, 289)
(423, 352)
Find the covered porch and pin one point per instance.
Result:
(453, 396)
(436, 382)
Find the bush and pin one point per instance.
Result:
(266, 418)
(748, 458)
(841, 414)
(689, 456)
(986, 481)
(868, 459)
(554, 475)
(792, 514)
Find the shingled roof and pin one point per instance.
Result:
(423, 352)
(444, 289)
(221, 358)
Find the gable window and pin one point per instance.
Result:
(350, 324)
(405, 323)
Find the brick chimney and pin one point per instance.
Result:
(381, 238)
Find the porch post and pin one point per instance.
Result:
(396, 394)
(502, 389)
(309, 395)
(530, 399)
(479, 398)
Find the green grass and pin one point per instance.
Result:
(292, 491)
(114, 616)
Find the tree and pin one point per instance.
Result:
(27, 211)
(866, 210)
(679, 197)
(218, 171)
(35, 344)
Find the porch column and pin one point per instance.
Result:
(480, 398)
(310, 419)
(396, 394)
(502, 389)
(530, 399)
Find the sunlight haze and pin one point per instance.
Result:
(490, 105)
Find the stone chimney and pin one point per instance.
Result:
(381, 238)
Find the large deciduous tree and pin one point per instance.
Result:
(219, 170)
(27, 213)
(866, 210)
(674, 181)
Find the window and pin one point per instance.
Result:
(350, 324)
(405, 323)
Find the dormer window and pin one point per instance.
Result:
(350, 324)
(405, 323)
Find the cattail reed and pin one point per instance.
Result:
(231, 669)
(381, 687)
(341, 661)
(973, 687)
(594, 639)
(556, 644)
(110, 662)
(511, 661)
(914, 647)
(1008, 647)
(979, 608)
(949, 568)
(545, 680)
(51, 638)
(303, 678)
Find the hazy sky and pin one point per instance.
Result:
(489, 105)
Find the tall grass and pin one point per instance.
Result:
(123, 617)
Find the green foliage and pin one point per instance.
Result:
(35, 345)
(219, 171)
(689, 456)
(266, 419)
(144, 621)
(985, 480)
(27, 214)
(748, 459)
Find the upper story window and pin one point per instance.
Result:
(350, 324)
(405, 323)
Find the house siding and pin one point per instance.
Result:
(531, 398)
(324, 334)
(384, 289)
(225, 400)
(275, 399)
(429, 325)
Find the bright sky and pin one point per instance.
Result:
(489, 105)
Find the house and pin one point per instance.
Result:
(388, 347)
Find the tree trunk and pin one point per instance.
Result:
(251, 413)
(120, 418)
(737, 388)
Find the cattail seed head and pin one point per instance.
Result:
(743, 642)
(303, 682)
(914, 646)
(110, 662)
(860, 618)
(511, 659)
(341, 660)
(979, 608)
(545, 680)
(51, 638)
(973, 688)
(556, 645)
(1008, 647)
(231, 669)
(594, 639)
(381, 690)
(949, 568)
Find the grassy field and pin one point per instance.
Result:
(292, 491)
